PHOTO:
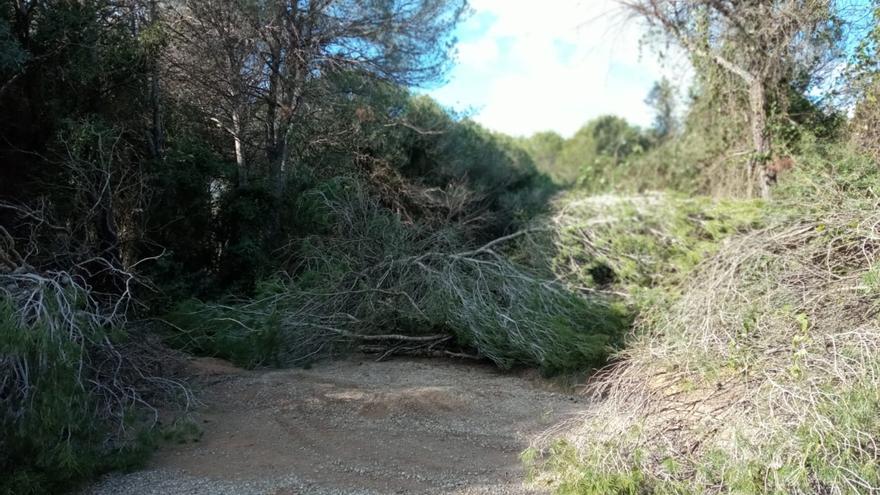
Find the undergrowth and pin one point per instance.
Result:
(559, 295)
(752, 367)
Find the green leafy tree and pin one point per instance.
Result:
(601, 149)
(760, 46)
(865, 88)
(662, 100)
(268, 62)
(545, 148)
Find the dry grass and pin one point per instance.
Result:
(764, 377)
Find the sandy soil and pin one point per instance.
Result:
(356, 427)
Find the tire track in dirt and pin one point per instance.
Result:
(356, 426)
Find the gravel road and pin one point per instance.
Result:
(355, 427)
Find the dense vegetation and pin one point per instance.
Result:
(256, 181)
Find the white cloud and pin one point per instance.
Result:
(479, 53)
(554, 67)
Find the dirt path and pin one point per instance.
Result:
(356, 427)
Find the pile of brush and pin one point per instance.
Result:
(763, 377)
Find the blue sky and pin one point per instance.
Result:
(524, 68)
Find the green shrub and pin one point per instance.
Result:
(75, 392)
(642, 246)
(495, 168)
(826, 174)
(179, 183)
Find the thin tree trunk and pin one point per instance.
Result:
(760, 139)
(21, 25)
(157, 132)
(240, 161)
(279, 129)
(274, 136)
(278, 166)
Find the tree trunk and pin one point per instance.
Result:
(274, 135)
(157, 132)
(240, 162)
(760, 139)
(278, 166)
(279, 125)
(21, 25)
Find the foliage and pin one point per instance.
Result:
(866, 121)
(303, 202)
(829, 172)
(597, 157)
(865, 89)
(435, 149)
(632, 244)
(762, 48)
(545, 148)
(601, 149)
(428, 167)
(184, 196)
(12, 56)
(709, 155)
(275, 63)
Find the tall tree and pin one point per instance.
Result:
(763, 45)
(216, 67)
(279, 56)
(863, 78)
(545, 148)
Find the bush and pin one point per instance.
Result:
(866, 117)
(400, 142)
(828, 173)
(76, 390)
(495, 168)
(180, 222)
(597, 157)
(640, 247)
(410, 154)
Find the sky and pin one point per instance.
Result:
(525, 67)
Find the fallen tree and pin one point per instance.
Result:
(374, 283)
